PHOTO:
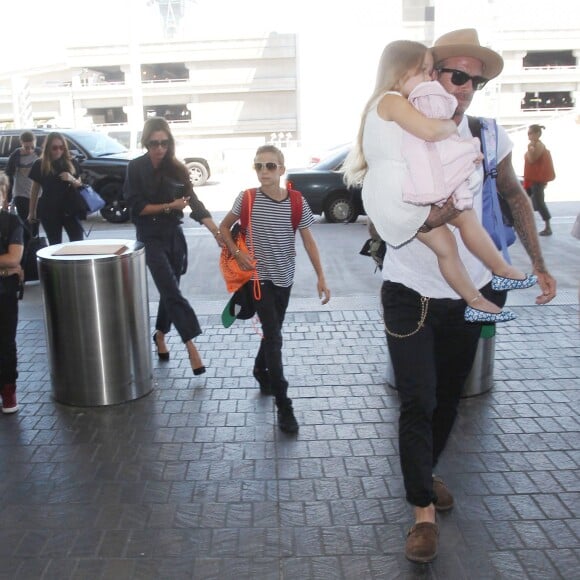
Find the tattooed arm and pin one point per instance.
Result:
(525, 226)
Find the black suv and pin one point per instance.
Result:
(323, 188)
(103, 163)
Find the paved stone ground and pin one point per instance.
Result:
(196, 481)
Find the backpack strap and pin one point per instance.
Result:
(296, 207)
(492, 217)
(247, 205)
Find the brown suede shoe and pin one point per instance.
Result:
(422, 543)
(445, 500)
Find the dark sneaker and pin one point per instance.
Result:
(422, 543)
(9, 403)
(445, 500)
(286, 420)
(263, 378)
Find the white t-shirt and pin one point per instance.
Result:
(415, 265)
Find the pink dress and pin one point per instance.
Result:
(438, 169)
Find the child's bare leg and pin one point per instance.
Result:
(442, 243)
(479, 243)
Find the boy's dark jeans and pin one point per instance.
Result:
(271, 309)
(8, 326)
(431, 367)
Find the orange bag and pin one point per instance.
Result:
(542, 170)
(233, 275)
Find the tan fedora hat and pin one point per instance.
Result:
(465, 42)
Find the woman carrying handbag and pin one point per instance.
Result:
(57, 173)
(538, 170)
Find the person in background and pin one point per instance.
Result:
(18, 169)
(58, 175)
(536, 190)
(157, 189)
(11, 248)
(271, 241)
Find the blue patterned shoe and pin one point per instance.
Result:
(501, 283)
(474, 315)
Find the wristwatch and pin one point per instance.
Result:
(167, 209)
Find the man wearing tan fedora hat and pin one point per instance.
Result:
(432, 364)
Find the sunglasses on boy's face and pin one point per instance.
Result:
(459, 78)
(269, 166)
(153, 144)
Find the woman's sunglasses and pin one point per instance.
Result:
(153, 144)
(269, 166)
(459, 78)
(57, 147)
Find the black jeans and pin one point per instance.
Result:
(166, 258)
(271, 309)
(431, 367)
(8, 325)
(537, 194)
(54, 221)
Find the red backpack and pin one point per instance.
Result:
(295, 205)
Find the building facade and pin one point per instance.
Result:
(207, 89)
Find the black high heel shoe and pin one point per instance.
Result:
(164, 356)
(194, 359)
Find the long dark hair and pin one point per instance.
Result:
(170, 165)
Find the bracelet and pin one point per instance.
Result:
(237, 252)
(218, 233)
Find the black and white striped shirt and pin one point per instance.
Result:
(273, 239)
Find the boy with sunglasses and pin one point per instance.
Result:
(271, 239)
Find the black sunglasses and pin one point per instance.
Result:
(269, 166)
(459, 78)
(154, 144)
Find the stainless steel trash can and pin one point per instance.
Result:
(480, 379)
(97, 321)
